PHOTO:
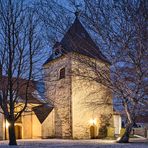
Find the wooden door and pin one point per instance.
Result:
(18, 132)
(92, 132)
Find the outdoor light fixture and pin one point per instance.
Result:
(93, 121)
(7, 124)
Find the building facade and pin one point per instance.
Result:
(74, 96)
(73, 107)
(29, 124)
(27, 127)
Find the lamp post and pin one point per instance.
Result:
(92, 121)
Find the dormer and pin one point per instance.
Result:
(57, 50)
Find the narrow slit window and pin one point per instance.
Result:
(62, 73)
(57, 52)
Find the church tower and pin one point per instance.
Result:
(72, 117)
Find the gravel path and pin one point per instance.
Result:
(58, 143)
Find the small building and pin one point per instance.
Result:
(29, 124)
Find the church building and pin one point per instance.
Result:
(72, 107)
(70, 94)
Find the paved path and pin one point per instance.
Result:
(58, 143)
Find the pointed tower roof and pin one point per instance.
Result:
(78, 40)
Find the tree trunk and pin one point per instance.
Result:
(125, 137)
(12, 137)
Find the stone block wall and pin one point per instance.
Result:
(87, 97)
(76, 101)
(58, 92)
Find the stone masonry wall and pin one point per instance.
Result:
(59, 93)
(86, 98)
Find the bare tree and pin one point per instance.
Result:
(54, 18)
(120, 30)
(19, 54)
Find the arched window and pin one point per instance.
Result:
(62, 73)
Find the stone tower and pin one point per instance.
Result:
(71, 117)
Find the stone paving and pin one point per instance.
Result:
(59, 143)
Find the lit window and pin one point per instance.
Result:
(62, 73)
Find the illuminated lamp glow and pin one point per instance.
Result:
(7, 124)
(93, 121)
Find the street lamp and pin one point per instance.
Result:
(7, 124)
(92, 121)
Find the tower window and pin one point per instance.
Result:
(62, 73)
(57, 52)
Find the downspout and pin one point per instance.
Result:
(5, 129)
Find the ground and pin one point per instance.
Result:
(58, 143)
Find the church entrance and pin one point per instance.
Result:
(18, 131)
(93, 132)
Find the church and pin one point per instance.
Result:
(70, 94)
(68, 111)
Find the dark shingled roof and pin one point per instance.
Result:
(42, 111)
(78, 40)
(35, 90)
